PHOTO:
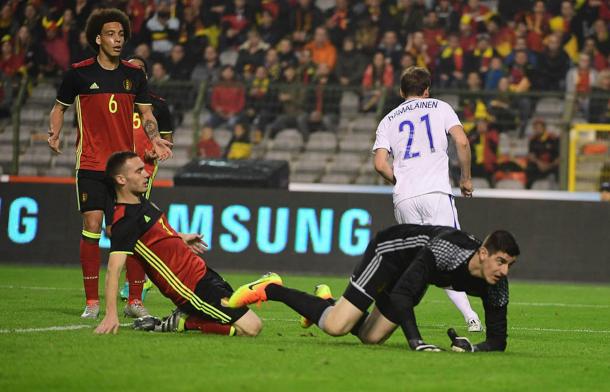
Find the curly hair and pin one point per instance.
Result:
(99, 18)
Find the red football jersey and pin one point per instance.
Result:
(164, 122)
(104, 108)
(142, 230)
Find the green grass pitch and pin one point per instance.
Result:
(559, 341)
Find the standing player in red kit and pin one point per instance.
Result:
(169, 258)
(105, 89)
(136, 282)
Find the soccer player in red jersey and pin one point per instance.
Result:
(105, 89)
(136, 278)
(169, 259)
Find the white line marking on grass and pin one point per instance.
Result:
(540, 304)
(54, 328)
(5, 286)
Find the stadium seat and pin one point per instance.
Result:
(335, 179)
(321, 142)
(366, 179)
(183, 137)
(349, 103)
(222, 137)
(290, 140)
(549, 107)
(278, 155)
(304, 177)
(545, 184)
(480, 183)
(26, 170)
(60, 171)
(365, 124)
(452, 99)
(228, 57)
(165, 173)
(509, 184)
(355, 142)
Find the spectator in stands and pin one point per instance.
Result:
(447, 15)
(378, 77)
(598, 60)
(272, 65)
(207, 70)
(30, 50)
(392, 50)
(416, 46)
(322, 50)
(11, 64)
(192, 35)
(306, 69)
(178, 67)
(286, 54)
(269, 28)
(321, 104)
(235, 22)
(82, 9)
(143, 51)
(251, 53)
(81, 50)
(479, 59)
(601, 36)
(494, 74)
(163, 29)
(501, 107)
(57, 57)
(520, 46)
(159, 75)
(451, 64)
(239, 146)
(408, 16)
(8, 23)
(599, 104)
(434, 35)
(484, 149)
(543, 157)
(260, 100)
(477, 13)
(468, 37)
(472, 102)
(501, 36)
(350, 64)
(302, 21)
(32, 21)
(339, 22)
(227, 99)
(553, 64)
(537, 22)
(370, 24)
(290, 97)
(208, 147)
(580, 79)
(520, 75)
(139, 12)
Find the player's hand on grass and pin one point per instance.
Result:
(459, 344)
(195, 242)
(466, 187)
(110, 324)
(420, 345)
(162, 148)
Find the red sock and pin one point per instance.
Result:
(90, 263)
(136, 278)
(205, 326)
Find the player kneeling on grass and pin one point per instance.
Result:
(169, 259)
(397, 267)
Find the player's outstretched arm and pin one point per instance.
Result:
(56, 122)
(463, 151)
(110, 323)
(161, 146)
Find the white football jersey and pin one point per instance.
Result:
(416, 133)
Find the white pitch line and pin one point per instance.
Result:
(53, 328)
(6, 286)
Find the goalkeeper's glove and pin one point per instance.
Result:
(460, 344)
(420, 345)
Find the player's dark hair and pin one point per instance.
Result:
(502, 241)
(140, 59)
(116, 162)
(414, 81)
(99, 18)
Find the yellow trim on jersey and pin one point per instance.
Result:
(120, 252)
(63, 103)
(79, 148)
(158, 264)
(93, 236)
(143, 104)
(77, 194)
(151, 179)
(165, 132)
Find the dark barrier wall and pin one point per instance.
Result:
(264, 230)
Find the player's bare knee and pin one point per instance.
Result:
(368, 338)
(249, 325)
(335, 328)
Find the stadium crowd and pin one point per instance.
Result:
(270, 64)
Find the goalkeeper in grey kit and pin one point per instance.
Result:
(394, 273)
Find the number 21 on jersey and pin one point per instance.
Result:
(425, 119)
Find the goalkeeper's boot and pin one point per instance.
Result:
(125, 292)
(322, 291)
(147, 286)
(92, 310)
(253, 292)
(172, 323)
(135, 309)
(474, 325)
